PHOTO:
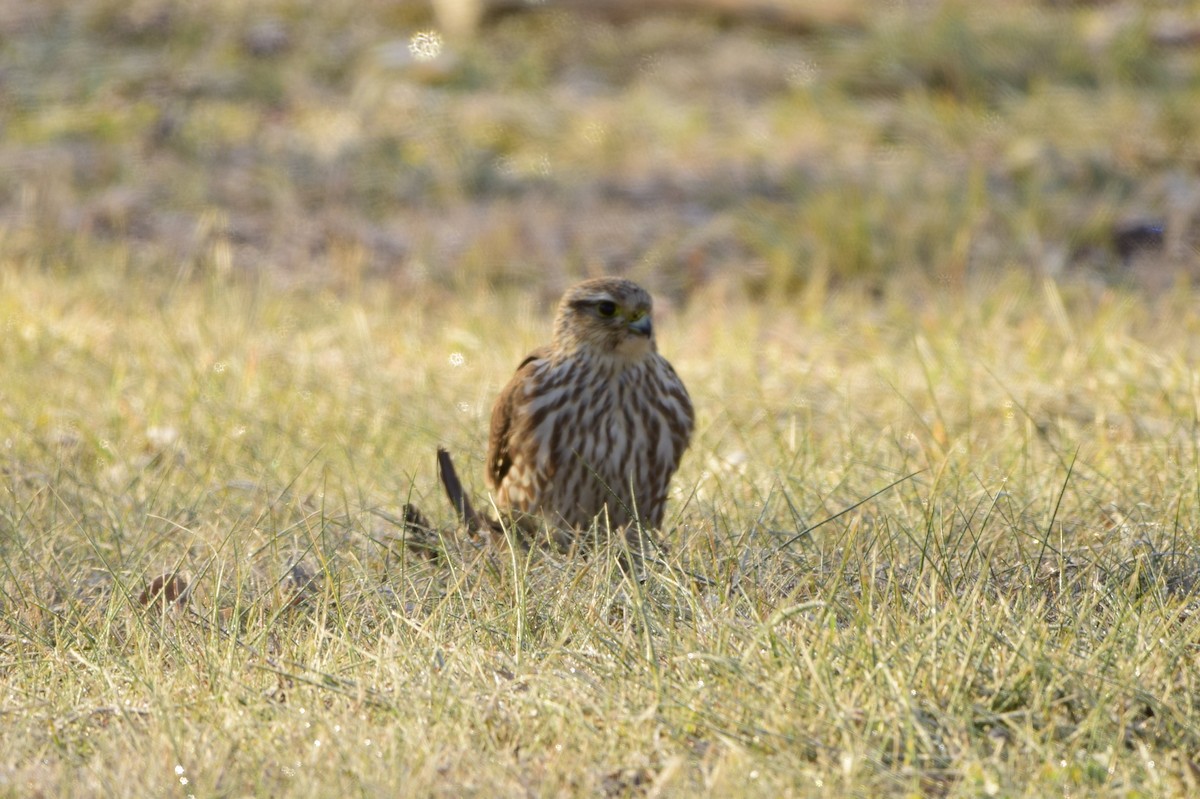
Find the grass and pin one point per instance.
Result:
(936, 534)
(1015, 618)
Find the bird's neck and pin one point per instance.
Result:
(614, 360)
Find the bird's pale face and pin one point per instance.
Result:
(609, 316)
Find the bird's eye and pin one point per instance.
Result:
(606, 308)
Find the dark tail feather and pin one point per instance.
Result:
(458, 498)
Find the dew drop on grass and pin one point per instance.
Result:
(425, 45)
(457, 359)
(178, 769)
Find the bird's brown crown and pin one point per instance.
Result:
(606, 316)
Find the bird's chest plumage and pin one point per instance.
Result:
(602, 442)
(610, 425)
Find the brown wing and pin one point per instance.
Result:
(499, 442)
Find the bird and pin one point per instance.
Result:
(589, 431)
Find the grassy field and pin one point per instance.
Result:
(937, 531)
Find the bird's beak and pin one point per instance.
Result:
(642, 326)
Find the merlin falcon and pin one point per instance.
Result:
(591, 428)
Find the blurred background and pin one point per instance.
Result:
(765, 147)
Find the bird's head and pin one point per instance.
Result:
(607, 316)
